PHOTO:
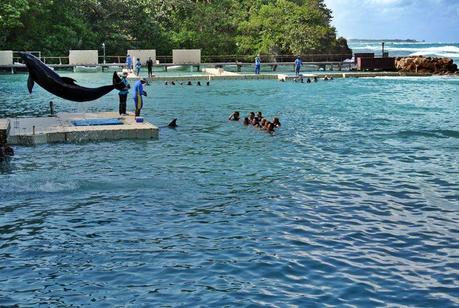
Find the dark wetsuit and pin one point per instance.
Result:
(150, 67)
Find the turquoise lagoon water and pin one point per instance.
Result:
(354, 201)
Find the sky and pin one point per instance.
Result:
(429, 20)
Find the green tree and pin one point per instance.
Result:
(217, 27)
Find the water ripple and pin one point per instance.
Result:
(353, 202)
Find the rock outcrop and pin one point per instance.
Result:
(426, 65)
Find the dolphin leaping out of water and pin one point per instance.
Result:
(64, 87)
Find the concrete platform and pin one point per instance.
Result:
(32, 131)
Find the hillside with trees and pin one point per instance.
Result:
(223, 27)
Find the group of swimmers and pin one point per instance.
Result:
(257, 120)
(308, 80)
(189, 83)
(6, 152)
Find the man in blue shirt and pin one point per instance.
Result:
(137, 96)
(129, 63)
(257, 65)
(138, 66)
(298, 65)
(123, 94)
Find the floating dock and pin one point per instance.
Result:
(74, 128)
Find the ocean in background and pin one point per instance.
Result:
(353, 202)
(402, 49)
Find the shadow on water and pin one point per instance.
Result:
(436, 133)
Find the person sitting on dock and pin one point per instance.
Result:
(234, 116)
(123, 94)
(298, 65)
(138, 66)
(129, 63)
(137, 96)
(257, 65)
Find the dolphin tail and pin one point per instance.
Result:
(117, 82)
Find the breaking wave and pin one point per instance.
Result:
(449, 51)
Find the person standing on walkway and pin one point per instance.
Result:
(257, 65)
(137, 96)
(129, 63)
(138, 66)
(150, 67)
(124, 93)
(298, 65)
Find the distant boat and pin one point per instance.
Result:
(87, 69)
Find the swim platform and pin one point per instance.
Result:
(77, 127)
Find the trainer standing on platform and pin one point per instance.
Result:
(137, 96)
(138, 66)
(298, 65)
(124, 93)
(129, 63)
(257, 65)
(150, 67)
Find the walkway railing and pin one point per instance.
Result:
(267, 58)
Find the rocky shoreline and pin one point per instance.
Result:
(426, 65)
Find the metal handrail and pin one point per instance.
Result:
(270, 58)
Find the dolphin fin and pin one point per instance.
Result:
(69, 80)
(173, 123)
(30, 84)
